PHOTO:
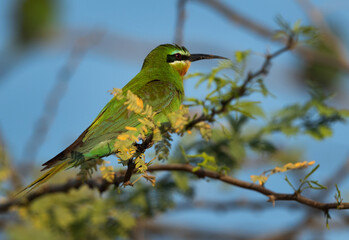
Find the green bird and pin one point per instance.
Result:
(159, 84)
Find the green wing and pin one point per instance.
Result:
(112, 120)
(97, 140)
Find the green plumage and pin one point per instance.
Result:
(159, 84)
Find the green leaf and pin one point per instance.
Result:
(279, 34)
(325, 131)
(241, 56)
(184, 154)
(327, 218)
(323, 109)
(209, 162)
(311, 172)
(162, 148)
(289, 183)
(263, 88)
(344, 113)
(319, 186)
(296, 25)
(141, 166)
(314, 134)
(338, 196)
(181, 181)
(289, 130)
(249, 108)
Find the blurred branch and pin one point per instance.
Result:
(54, 97)
(97, 183)
(157, 229)
(328, 35)
(265, 32)
(310, 222)
(181, 14)
(292, 232)
(160, 230)
(238, 18)
(8, 60)
(241, 204)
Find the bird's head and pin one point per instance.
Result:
(176, 56)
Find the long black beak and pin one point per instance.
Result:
(196, 57)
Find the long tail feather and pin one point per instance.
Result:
(43, 178)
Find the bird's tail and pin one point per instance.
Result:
(47, 175)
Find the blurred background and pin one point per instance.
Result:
(59, 59)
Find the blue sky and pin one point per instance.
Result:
(137, 27)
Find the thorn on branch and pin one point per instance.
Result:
(272, 199)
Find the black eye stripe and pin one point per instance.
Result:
(176, 57)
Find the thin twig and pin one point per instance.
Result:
(130, 169)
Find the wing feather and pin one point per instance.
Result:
(114, 117)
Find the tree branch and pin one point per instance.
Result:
(273, 196)
(146, 143)
(102, 185)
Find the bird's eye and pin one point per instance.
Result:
(178, 56)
